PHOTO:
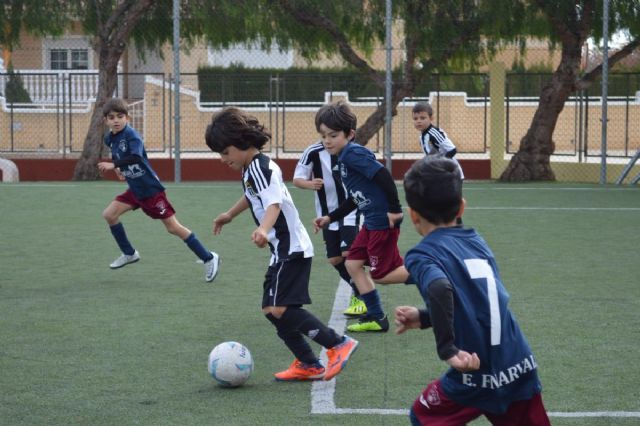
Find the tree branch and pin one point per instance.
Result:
(591, 76)
(322, 23)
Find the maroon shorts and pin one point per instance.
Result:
(433, 407)
(379, 249)
(156, 206)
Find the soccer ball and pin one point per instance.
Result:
(231, 364)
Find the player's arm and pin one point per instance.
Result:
(312, 184)
(440, 295)
(342, 211)
(271, 214)
(384, 180)
(127, 161)
(223, 218)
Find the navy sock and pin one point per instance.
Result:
(120, 235)
(196, 246)
(294, 340)
(374, 305)
(342, 270)
(309, 325)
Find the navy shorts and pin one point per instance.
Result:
(339, 241)
(286, 283)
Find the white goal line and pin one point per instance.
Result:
(322, 393)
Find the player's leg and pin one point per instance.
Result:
(529, 412)
(433, 407)
(167, 215)
(375, 319)
(122, 204)
(288, 284)
(337, 244)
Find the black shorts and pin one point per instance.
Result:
(286, 283)
(339, 241)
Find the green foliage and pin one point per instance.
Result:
(14, 90)
(240, 84)
(39, 17)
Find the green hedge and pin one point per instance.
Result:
(238, 84)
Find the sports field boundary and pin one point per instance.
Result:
(322, 393)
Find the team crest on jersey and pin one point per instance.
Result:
(343, 171)
(122, 145)
(250, 189)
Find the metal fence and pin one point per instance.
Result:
(55, 119)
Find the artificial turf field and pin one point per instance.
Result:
(81, 344)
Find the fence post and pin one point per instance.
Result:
(496, 90)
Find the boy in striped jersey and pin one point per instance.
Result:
(317, 170)
(434, 141)
(239, 138)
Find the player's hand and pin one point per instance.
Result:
(259, 237)
(220, 221)
(316, 184)
(463, 361)
(104, 166)
(320, 222)
(406, 318)
(395, 219)
(119, 174)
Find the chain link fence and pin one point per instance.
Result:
(45, 112)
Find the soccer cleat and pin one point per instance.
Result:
(338, 356)
(356, 308)
(298, 370)
(125, 259)
(211, 267)
(368, 323)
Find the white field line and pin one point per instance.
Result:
(322, 393)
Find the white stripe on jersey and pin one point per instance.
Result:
(258, 177)
(304, 170)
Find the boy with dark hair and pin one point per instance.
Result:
(493, 371)
(373, 191)
(434, 140)
(145, 191)
(318, 171)
(239, 138)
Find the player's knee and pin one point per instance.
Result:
(335, 261)
(110, 216)
(353, 266)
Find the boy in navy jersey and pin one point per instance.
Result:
(239, 137)
(492, 369)
(318, 171)
(371, 190)
(145, 191)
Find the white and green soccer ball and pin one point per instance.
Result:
(231, 364)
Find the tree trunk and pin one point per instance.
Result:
(532, 161)
(110, 43)
(92, 150)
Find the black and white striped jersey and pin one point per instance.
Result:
(263, 186)
(316, 162)
(434, 141)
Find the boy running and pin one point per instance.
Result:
(145, 191)
(371, 190)
(239, 137)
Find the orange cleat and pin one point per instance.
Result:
(338, 356)
(298, 370)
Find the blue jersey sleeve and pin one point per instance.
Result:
(424, 269)
(361, 159)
